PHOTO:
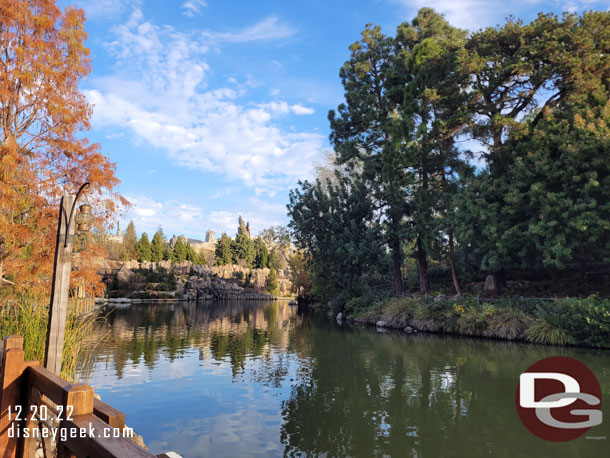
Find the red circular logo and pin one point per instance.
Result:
(559, 399)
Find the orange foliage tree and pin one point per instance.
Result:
(43, 152)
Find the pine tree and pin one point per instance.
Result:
(157, 247)
(180, 250)
(224, 250)
(130, 240)
(191, 255)
(243, 250)
(261, 254)
(271, 284)
(143, 248)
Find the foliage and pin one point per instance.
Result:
(43, 152)
(224, 250)
(271, 284)
(534, 97)
(143, 248)
(261, 254)
(243, 250)
(333, 223)
(28, 316)
(180, 250)
(157, 247)
(130, 242)
(558, 322)
(300, 275)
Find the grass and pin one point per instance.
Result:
(559, 322)
(27, 316)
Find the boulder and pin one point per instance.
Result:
(339, 316)
(381, 324)
(489, 284)
(409, 330)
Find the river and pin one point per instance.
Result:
(224, 379)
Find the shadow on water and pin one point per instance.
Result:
(254, 379)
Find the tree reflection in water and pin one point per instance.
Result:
(356, 392)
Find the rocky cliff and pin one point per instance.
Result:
(188, 281)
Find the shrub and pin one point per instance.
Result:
(541, 331)
(507, 323)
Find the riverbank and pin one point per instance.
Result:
(570, 321)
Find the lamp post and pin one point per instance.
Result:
(61, 275)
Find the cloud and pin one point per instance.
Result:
(192, 7)
(260, 215)
(268, 29)
(477, 14)
(96, 9)
(160, 94)
(301, 110)
(175, 217)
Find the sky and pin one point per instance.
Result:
(216, 108)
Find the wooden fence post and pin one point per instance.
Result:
(10, 394)
(61, 281)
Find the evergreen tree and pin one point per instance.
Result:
(261, 254)
(168, 253)
(157, 247)
(191, 255)
(180, 250)
(243, 250)
(130, 240)
(224, 250)
(271, 284)
(143, 248)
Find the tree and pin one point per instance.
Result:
(224, 250)
(130, 241)
(143, 248)
(42, 150)
(271, 284)
(275, 235)
(180, 250)
(261, 254)
(243, 250)
(157, 247)
(362, 132)
(334, 224)
(191, 255)
(300, 276)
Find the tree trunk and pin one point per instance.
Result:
(422, 267)
(456, 283)
(499, 281)
(396, 267)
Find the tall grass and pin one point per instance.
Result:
(28, 316)
(581, 321)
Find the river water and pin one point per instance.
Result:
(224, 379)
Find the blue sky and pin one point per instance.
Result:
(216, 108)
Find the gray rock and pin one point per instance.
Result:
(409, 329)
(489, 284)
(381, 324)
(339, 316)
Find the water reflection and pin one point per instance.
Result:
(245, 379)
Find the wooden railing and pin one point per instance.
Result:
(34, 400)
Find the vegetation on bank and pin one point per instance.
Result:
(28, 316)
(402, 201)
(569, 321)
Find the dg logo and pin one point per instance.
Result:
(559, 399)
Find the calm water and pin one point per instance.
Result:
(243, 379)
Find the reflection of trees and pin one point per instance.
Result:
(370, 395)
(225, 330)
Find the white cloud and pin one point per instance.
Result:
(95, 9)
(301, 110)
(270, 28)
(477, 14)
(160, 94)
(175, 217)
(260, 215)
(192, 7)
